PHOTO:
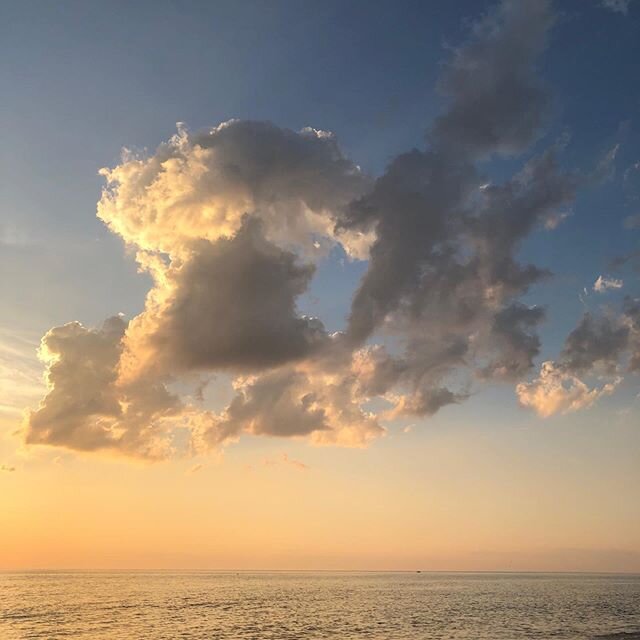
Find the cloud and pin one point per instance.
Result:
(285, 460)
(86, 408)
(606, 346)
(292, 402)
(426, 401)
(603, 284)
(631, 318)
(606, 167)
(231, 222)
(200, 186)
(442, 270)
(556, 390)
(617, 6)
(595, 341)
(497, 103)
(514, 341)
(632, 222)
(229, 305)
(281, 403)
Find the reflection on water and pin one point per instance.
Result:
(296, 606)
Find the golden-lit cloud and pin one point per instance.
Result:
(86, 408)
(605, 346)
(199, 186)
(556, 390)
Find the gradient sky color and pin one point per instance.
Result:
(483, 484)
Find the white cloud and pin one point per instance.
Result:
(603, 284)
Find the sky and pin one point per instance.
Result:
(303, 285)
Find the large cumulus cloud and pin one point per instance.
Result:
(230, 223)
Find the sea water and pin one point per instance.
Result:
(301, 605)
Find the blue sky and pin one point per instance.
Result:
(85, 80)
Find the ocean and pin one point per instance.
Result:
(301, 605)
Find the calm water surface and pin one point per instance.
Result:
(296, 606)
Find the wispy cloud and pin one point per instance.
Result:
(617, 6)
(194, 469)
(632, 222)
(21, 382)
(285, 460)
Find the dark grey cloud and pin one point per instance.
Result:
(443, 267)
(509, 212)
(276, 164)
(609, 342)
(415, 380)
(232, 306)
(513, 342)
(435, 222)
(443, 273)
(277, 404)
(632, 259)
(596, 341)
(497, 102)
(290, 402)
(415, 208)
(425, 401)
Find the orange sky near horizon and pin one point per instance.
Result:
(465, 497)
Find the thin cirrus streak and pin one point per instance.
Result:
(231, 223)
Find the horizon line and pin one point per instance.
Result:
(410, 571)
